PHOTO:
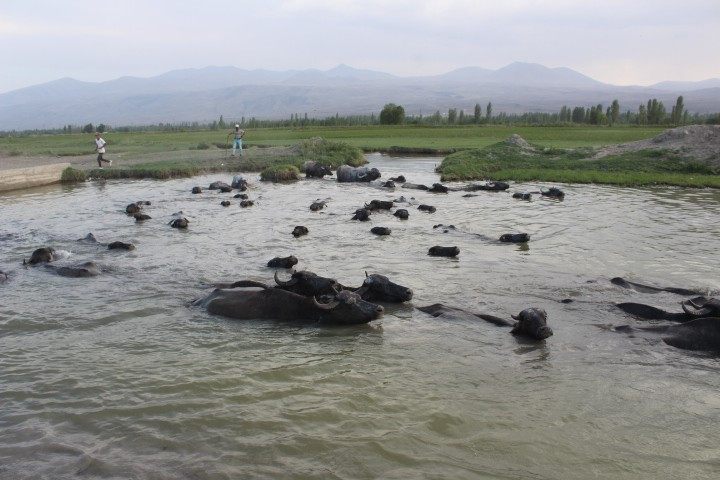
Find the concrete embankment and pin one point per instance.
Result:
(19, 178)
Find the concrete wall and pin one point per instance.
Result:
(18, 178)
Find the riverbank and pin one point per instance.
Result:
(687, 157)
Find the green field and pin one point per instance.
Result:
(440, 139)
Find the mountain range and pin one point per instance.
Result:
(204, 94)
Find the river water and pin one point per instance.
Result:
(118, 377)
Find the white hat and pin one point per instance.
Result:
(237, 126)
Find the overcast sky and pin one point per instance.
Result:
(615, 41)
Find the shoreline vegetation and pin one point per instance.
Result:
(551, 153)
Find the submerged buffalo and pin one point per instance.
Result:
(82, 270)
(388, 184)
(402, 214)
(415, 186)
(379, 205)
(361, 214)
(438, 188)
(299, 231)
(346, 173)
(692, 309)
(380, 231)
(698, 334)
(136, 207)
(379, 288)
(283, 262)
(318, 205)
(42, 255)
(246, 203)
(531, 322)
(621, 282)
(488, 186)
(522, 195)
(253, 300)
(308, 284)
(225, 203)
(241, 196)
(120, 246)
(196, 190)
(552, 192)
(239, 183)
(515, 238)
(141, 217)
(427, 208)
(222, 186)
(398, 179)
(180, 223)
(314, 169)
(438, 251)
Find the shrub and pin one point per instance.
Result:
(280, 173)
(72, 175)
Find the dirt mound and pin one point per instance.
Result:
(518, 141)
(699, 142)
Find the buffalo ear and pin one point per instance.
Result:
(366, 274)
(515, 317)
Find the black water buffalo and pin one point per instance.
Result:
(379, 205)
(553, 192)
(121, 246)
(398, 179)
(445, 228)
(415, 186)
(692, 309)
(225, 203)
(698, 334)
(246, 203)
(222, 186)
(241, 196)
(531, 322)
(314, 169)
(427, 208)
(488, 186)
(438, 251)
(252, 300)
(402, 214)
(283, 262)
(379, 288)
(388, 184)
(380, 230)
(362, 214)
(42, 255)
(522, 195)
(89, 238)
(346, 173)
(196, 190)
(299, 231)
(82, 270)
(133, 208)
(438, 188)
(181, 223)
(318, 205)
(308, 284)
(621, 282)
(239, 183)
(141, 217)
(515, 238)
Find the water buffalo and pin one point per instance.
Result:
(553, 192)
(698, 334)
(692, 309)
(438, 188)
(314, 169)
(283, 262)
(438, 251)
(89, 238)
(141, 217)
(181, 223)
(427, 208)
(196, 190)
(388, 184)
(121, 246)
(252, 300)
(398, 179)
(241, 196)
(379, 288)
(133, 208)
(415, 186)
(239, 183)
(402, 214)
(488, 186)
(308, 284)
(515, 238)
(445, 228)
(317, 205)
(346, 173)
(246, 203)
(522, 195)
(299, 231)
(42, 255)
(222, 186)
(362, 214)
(225, 203)
(531, 322)
(82, 270)
(379, 205)
(621, 282)
(380, 230)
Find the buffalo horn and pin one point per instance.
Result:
(697, 312)
(289, 283)
(326, 306)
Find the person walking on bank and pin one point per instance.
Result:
(237, 143)
(100, 148)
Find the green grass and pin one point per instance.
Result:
(280, 173)
(401, 138)
(503, 161)
(72, 175)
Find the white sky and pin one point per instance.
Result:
(615, 41)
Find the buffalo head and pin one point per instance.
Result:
(702, 307)
(379, 288)
(346, 308)
(532, 322)
(308, 284)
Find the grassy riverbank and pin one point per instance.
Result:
(508, 161)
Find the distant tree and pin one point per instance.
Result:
(436, 118)
(578, 115)
(461, 117)
(642, 118)
(221, 123)
(678, 111)
(89, 128)
(102, 128)
(477, 115)
(392, 114)
(614, 115)
(452, 115)
(488, 111)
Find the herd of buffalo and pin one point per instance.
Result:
(308, 297)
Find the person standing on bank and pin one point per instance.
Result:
(100, 148)
(237, 143)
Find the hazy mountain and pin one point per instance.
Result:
(206, 93)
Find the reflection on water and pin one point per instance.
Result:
(117, 377)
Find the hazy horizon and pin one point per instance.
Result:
(44, 42)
